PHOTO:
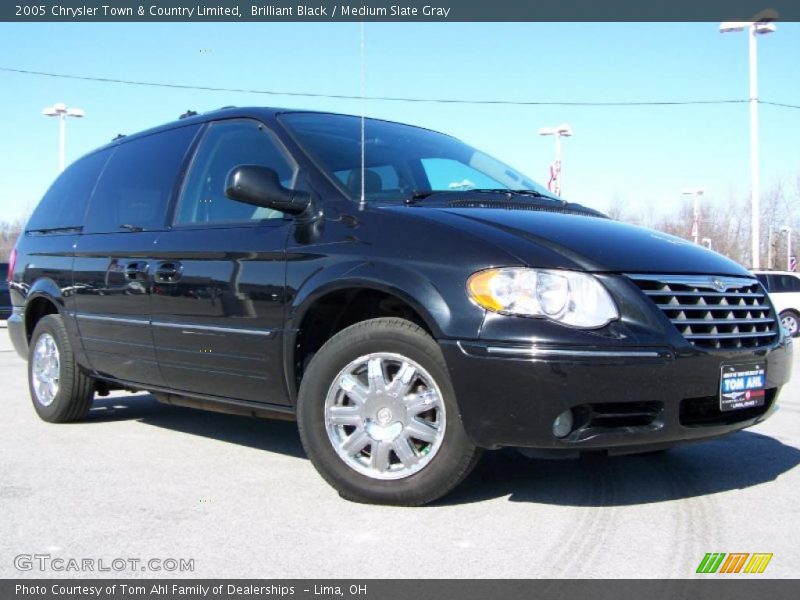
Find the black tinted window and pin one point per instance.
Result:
(64, 204)
(229, 144)
(421, 160)
(785, 283)
(762, 277)
(137, 183)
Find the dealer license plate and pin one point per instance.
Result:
(741, 386)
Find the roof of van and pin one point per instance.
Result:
(229, 112)
(258, 112)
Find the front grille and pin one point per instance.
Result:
(715, 313)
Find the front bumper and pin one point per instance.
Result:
(631, 399)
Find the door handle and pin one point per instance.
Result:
(168, 272)
(136, 270)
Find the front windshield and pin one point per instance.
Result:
(400, 160)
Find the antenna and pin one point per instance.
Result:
(362, 203)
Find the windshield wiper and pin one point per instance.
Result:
(56, 229)
(419, 195)
(508, 192)
(134, 228)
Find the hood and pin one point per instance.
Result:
(583, 242)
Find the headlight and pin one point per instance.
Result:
(569, 297)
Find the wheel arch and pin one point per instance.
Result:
(43, 298)
(358, 296)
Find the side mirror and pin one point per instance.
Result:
(260, 186)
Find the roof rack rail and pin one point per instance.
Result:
(228, 106)
(188, 113)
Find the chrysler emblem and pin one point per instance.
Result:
(718, 285)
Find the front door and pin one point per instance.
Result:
(219, 281)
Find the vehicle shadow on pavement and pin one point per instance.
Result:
(741, 460)
(262, 434)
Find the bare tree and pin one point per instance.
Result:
(617, 209)
(726, 222)
(9, 232)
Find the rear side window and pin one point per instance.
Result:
(229, 144)
(64, 205)
(137, 183)
(762, 277)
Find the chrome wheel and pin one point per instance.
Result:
(789, 322)
(45, 369)
(385, 416)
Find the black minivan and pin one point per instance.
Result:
(407, 298)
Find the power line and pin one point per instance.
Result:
(383, 98)
(781, 104)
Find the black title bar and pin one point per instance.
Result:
(399, 10)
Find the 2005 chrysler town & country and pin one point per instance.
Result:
(408, 313)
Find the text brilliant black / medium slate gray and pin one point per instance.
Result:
(224, 262)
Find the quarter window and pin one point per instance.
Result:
(229, 144)
(64, 205)
(137, 184)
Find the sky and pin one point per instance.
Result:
(642, 156)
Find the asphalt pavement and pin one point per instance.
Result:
(145, 481)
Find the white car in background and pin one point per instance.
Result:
(784, 290)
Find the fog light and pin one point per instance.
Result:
(563, 424)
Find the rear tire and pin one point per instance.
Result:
(791, 322)
(378, 416)
(60, 391)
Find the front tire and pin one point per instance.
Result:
(791, 322)
(378, 417)
(60, 391)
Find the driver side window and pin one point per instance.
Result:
(225, 145)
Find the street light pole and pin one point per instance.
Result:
(755, 167)
(556, 179)
(753, 29)
(696, 224)
(61, 111)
